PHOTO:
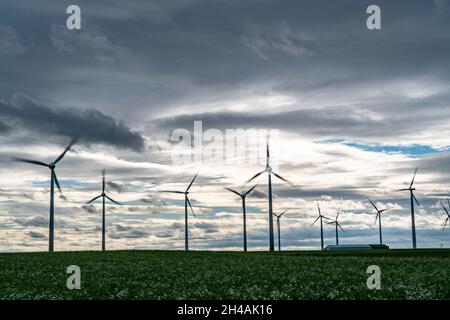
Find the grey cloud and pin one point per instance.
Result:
(90, 126)
(90, 41)
(128, 232)
(32, 222)
(122, 228)
(35, 235)
(10, 42)
(154, 200)
(279, 39)
(90, 208)
(4, 128)
(117, 186)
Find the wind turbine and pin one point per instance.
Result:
(321, 224)
(186, 203)
(278, 227)
(378, 216)
(336, 223)
(103, 195)
(446, 211)
(243, 197)
(53, 181)
(413, 198)
(269, 171)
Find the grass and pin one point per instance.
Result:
(406, 274)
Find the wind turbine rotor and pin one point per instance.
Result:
(414, 177)
(61, 156)
(39, 163)
(281, 178)
(315, 221)
(103, 180)
(112, 200)
(250, 190)
(234, 191)
(191, 182)
(190, 206)
(170, 191)
(93, 199)
(57, 182)
(255, 176)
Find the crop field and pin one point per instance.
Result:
(405, 274)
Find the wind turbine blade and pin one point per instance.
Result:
(39, 163)
(445, 223)
(318, 208)
(256, 175)
(57, 182)
(190, 206)
(332, 222)
(373, 205)
(414, 177)
(326, 218)
(169, 191)
(65, 151)
(113, 201)
(340, 227)
(234, 191)
(446, 211)
(250, 190)
(103, 180)
(415, 199)
(375, 223)
(93, 199)
(337, 215)
(283, 213)
(383, 210)
(192, 182)
(315, 221)
(402, 190)
(267, 151)
(281, 178)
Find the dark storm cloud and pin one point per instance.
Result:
(4, 128)
(90, 126)
(197, 51)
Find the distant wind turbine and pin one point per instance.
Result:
(278, 216)
(413, 198)
(53, 180)
(321, 224)
(336, 223)
(446, 211)
(378, 216)
(269, 171)
(186, 203)
(243, 197)
(103, 195)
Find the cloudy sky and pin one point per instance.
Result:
(353, 112)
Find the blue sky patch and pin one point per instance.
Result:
(411, 150)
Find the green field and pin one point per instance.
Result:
(406, 274)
